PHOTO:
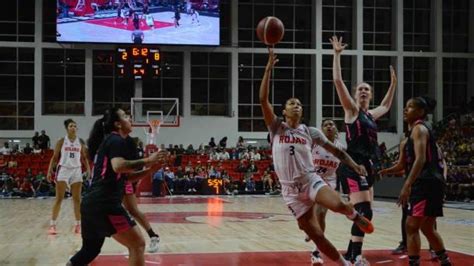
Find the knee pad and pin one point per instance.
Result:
(364, 209)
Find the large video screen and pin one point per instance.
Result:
(173, 22)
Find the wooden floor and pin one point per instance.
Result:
(207, 225)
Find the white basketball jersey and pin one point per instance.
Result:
(291, 149)
(325, 162)
(71, 153)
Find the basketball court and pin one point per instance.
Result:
(228, 230)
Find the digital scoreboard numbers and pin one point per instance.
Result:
(138, 62)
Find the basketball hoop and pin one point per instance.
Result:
(153, 131)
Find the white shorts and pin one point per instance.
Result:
(69, 175)
(331, 181)
(301, 197)
(150, 22)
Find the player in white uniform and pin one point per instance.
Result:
(149, 20)
(302, 188)
(194, 16)
(72, 154)
(326, 165)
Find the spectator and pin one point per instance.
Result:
(43, 188)
(214, 156)
(35, 139)
(201, 149)
(26, 188)
(267, 182)
(240, 143)
(44, 141)
(190, 149)
(180, 180)
(8, 185)
(223, 143)
(241, 168)
(36, 149)
(169, 179)
(234, 155)
(189, 169)
(158, 178)
(223, 155)
(15, 149)
(27, 149)
(254, 155)
(252, 167)
(244, 155)
(249, 182)
(212, 144)
(6, 150)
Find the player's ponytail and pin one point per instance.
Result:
(102, 127)
(426, 103)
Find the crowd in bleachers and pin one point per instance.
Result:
(457, 144)
(242, 169)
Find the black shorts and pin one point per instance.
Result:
(352, 182)
(426, 198)
(105, 222)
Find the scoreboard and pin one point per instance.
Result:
(138, 62)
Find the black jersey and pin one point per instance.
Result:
(107, 186)
(433, 167)
(361, 138)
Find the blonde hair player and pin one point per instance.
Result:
(72, 155)
(361, 139)
(302, 188)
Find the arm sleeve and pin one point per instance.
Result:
(317, 136)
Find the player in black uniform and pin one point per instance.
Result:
(361, 137)
(136, 20)
(177, 16)
(102, 212)
(423, 191)
(138, 36)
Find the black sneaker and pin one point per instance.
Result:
(401, 249)
(316, 259)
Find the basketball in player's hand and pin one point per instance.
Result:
(270, 30)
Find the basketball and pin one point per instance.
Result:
(270, 30)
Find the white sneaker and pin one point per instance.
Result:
(316, 260)
(361, 261)
(154, 241)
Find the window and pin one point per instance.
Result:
(107, 89)
(455, 26)
(63, 81)
(337, 20)
(332, 108)
(416, 77)
(17, 24)
(416, 25)
(455, 87)
(378, 25)
(17, 88)
(225, 21)
(210, 83)
(170, 83)
(295, 14)
(291, 78)
(377, 74)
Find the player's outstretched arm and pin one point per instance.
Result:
(345, 158)
(347, 102)
(386, 103)
(267, 109)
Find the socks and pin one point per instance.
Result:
(151, 233)
(414, 260)
(348, 255)
(78, 222)
(443, 257)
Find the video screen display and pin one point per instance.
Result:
(169, 22)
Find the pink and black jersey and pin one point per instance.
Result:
(291, 149)
(361, 138)
(107, 188)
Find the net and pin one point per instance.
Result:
(153, 132)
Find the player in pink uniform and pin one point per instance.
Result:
(302, 188)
